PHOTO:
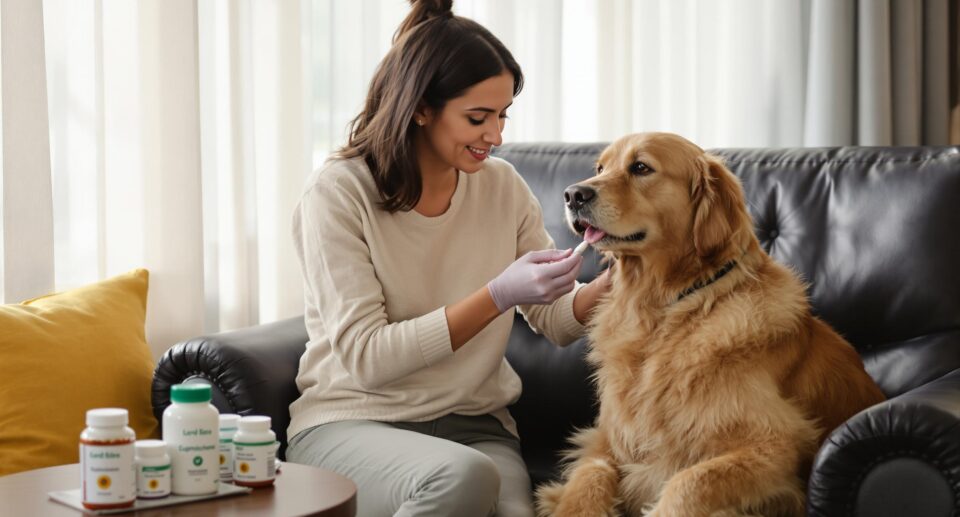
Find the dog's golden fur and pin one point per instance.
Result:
(712, 403)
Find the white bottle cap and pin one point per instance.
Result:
(150, 448)
(229, 421)
(255, 423)
(107, 417)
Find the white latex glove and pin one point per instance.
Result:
(536, 278)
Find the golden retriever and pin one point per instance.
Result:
(716, 383)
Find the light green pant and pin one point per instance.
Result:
(452, 466)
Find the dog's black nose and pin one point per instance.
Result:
(578, 195)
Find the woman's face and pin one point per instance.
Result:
(462, 133)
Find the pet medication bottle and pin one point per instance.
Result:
(153, 469)
(108, 478)
(191, 429)
(228, 427)
(255, 450)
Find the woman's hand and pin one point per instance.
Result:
(535, 278)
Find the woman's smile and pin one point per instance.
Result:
(478, 153)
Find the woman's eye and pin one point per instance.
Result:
(641, 169)
(475, 122)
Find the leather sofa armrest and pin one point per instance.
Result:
(899, 457)
(252, 371)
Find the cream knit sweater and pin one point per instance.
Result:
(376, 285)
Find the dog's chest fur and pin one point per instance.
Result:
(641, 386)
(663, 376)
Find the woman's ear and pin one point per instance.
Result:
(423, 115)
(717, 207)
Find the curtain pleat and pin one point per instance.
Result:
(875, 121)
(27, 225)
(935, 100)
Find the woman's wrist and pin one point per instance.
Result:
(588, 296)
(469, 316)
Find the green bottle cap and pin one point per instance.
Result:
(193, 392)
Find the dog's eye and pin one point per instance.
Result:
(599, 168)
(640, 169)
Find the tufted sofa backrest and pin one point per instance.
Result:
(875, 232)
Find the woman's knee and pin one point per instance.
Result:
(476, 469)
(473, 483)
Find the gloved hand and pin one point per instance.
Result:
(537, 277)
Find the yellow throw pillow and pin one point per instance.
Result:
(65, 353)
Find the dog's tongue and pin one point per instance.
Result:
(593, 235)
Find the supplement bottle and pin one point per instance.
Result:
(228, 427)
(191, 431)
(108, 477)
(255, 450)
(153, 469)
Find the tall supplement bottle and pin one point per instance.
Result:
(191, 430)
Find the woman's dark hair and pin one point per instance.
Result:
(435, 57)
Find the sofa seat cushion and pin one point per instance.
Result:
(65, 353)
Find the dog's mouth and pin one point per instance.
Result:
(593, 235)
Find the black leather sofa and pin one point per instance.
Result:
(874, 231)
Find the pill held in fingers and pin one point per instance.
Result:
(581, 248)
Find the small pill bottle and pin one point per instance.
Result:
(228, 428)
(153, 469)
(255, 452)
(108, 477)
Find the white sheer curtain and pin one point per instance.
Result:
(180, 136)
(25, 181)
(125, 152)
(256, 78)
(726, 73)
(180, 131)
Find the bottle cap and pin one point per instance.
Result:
(150, 448)
(255, 423)
(107, 417)
(229, 421)
(193, 392)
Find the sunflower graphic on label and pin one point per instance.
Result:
(153, 484)
(244, 467)
(103, 482)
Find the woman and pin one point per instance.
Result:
(408, 241)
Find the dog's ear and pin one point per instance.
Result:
(717, 198)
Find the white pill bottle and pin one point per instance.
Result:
(108, 477)
(228, 428)
(153, 469)
(191, 430)
(255, 452)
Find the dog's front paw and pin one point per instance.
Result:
(548, 498)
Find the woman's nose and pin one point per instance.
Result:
(494, 136)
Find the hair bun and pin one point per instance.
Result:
(434, 7)
(421, 11)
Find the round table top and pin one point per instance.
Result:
(298, 490)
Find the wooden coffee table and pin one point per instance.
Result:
(298, 490)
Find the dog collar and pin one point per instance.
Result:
(716, 276)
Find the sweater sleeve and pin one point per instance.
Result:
(556, 320)
(350, 311)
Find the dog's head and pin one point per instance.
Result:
(659, 191)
